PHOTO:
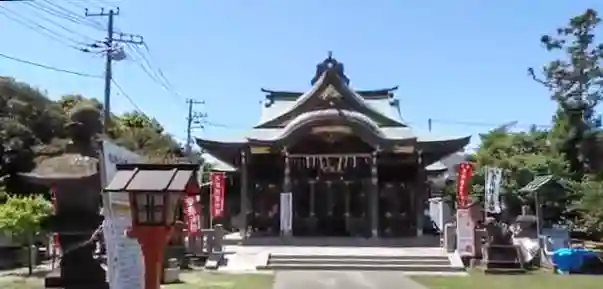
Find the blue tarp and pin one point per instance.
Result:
(570, 260)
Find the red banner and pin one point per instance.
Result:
(55, 236)
(465, 172)
(217, 194)
(192, 211)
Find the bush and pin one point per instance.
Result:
(20, 217)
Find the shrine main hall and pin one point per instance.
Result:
(353, 166)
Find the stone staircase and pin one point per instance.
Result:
(407, 263)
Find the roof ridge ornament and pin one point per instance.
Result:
(330, 63)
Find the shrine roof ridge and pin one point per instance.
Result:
(367, 94)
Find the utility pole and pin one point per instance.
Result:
(109, 53)
(193, 121)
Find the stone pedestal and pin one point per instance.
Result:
(77, 269)
(503, 258)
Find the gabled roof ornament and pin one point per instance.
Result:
(330, 63)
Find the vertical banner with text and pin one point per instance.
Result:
(492, 190)
(217, 193)
(465, 172)
(192, 211)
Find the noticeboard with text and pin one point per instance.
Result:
(465, 233)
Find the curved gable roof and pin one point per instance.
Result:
(328, 80)
(364, 126)
(328, 114)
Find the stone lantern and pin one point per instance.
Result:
(75, 181)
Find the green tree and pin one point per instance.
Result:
(33, 127)
(591, 207)
(575, 81)
(20, 217)
(143, 134)
(522, 156)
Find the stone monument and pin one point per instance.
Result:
(74, 178)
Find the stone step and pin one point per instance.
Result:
(360, 261)
(358, 257)
(362, 267)
(406, 263)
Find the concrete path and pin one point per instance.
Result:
(343, 280)
(39, 270)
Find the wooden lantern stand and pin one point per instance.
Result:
(153, 207)
(153, 241)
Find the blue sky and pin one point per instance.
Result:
(455, 61)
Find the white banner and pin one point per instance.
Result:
(465, 233)
(492, 190)
(124, 255)
(286, 212)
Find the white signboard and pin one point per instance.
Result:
(125, 262)
(113, 155)
(286, 212)
(124, 255)
(465, 233)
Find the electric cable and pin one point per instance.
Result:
(48, 67)
(36, 27)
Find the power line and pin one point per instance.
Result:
(159, 70)
(82, 7)
(483, 124)
(124, 94)
(38, 28)
(207, 123)
(145, 66)
(153, 72)
(48, 67)
(38, 12)
(59, 11)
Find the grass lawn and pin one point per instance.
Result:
(21, 283)
(208, 280)
(536, 280)
(196, 280)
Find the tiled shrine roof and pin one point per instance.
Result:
(332, 101)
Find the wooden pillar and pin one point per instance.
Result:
(419, 192)
(348, 198)
(244, 194)
(312, 198)
(329, 198)
(286, 183)
(374, 197)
